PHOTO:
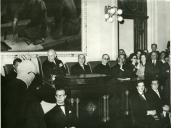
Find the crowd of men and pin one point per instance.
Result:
(27, 104)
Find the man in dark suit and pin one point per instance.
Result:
(103, 67)
(53, 67)
(155, 101)
(143, 116)
(80, 67)
(120, 69)
(62, 115)
(152, 68)
(17, 95)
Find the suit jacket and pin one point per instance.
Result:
(34, 116)
(55, 118)
(118, 73)
(155, 102)
(102, 69)
(52, 68)
(139, 107)
(77, 69)
(164, 72)
(16, 104)
(151, 70)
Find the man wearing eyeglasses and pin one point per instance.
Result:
(61, 116)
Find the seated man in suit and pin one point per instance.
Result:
(143, 116)
(103, 67)
(61, 116)
(13, 73)
(53, 67)
(152, 68)
(120, 69)
(80, 67)
(156, 101)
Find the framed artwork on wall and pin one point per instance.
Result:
(40, 25)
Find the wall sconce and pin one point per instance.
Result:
(110, 11)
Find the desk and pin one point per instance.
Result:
(99, 92)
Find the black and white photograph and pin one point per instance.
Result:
(85, 64)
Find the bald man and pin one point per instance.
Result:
(53, 67)
(17, 95)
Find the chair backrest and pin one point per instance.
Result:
(68, 66)
(8, 68)
(93, 64)
(41, 60)
(112, 63)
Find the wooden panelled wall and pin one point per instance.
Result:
(136, 10)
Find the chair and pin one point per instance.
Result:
(93, 64)
(41, 60)
(8, 68)
(68, 66)
(112, 63)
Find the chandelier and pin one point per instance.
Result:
(110, 11)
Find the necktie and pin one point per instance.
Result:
(62, 107)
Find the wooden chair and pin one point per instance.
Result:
(68, 66)
(41, 60)
(93, 64)
(8, 68)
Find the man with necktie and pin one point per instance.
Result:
(142, 115)
(62, 115)
(152, 68)
(80, 67)
(156, 101)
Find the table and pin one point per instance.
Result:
(97, 91)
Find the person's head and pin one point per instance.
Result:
(60, 96)
(51, 55)
(138, 53)
(105, 59)
(81, 59)
(26, 71)
(145, 51)
(167, 58)
(154, 84)
(121, 51)
(162, 55)
(140, 87)
(143, 58)
(153, 47)
(133, 58)
(153, 56)
(16, 63)
(121, 58)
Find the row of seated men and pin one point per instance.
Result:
(17, 96)
(23, 107)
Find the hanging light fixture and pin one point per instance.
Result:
(110, 11)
